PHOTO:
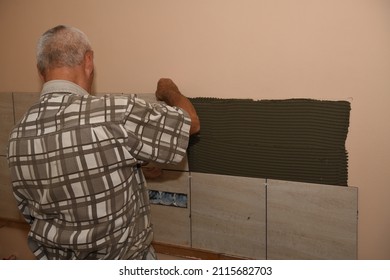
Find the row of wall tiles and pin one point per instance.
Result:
(225, 214)
(229, 215)
(252, 218)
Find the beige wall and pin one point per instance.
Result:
(335, 49)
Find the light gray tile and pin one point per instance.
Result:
(170, 181)
(181, 166)
(8, 205)
(23, 101)
(310, 221)
(6, 120)
(101, 94)
(149, 97)
(171, 224)
(228, 215)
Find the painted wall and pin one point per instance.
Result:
(335, 49)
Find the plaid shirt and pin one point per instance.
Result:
(75, 168)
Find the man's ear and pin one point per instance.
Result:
(89, 66)
(40, 75)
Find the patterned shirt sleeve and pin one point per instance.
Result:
(159, 132)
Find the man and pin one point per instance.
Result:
(75, 159)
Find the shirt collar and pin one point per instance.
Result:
(62, 86)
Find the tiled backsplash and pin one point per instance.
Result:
(244, 217)
(258, 218)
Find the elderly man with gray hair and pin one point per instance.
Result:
(75, 159)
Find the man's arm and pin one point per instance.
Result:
(168, 92)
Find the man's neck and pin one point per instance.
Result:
(74, 74)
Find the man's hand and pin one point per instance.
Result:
(165, 88)
(168, 92)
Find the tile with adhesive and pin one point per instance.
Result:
(170, 181)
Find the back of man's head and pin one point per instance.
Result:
(61, 46)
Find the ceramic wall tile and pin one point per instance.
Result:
(228, 215)
(8, 205)
(23, 101)
(101, 94)
(309, 221)
(181, 166)
(6, 120)
(149, 97)
(171, 224)
(170, 181)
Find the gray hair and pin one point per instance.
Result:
(61, 46)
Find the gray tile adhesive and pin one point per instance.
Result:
(294, 139)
